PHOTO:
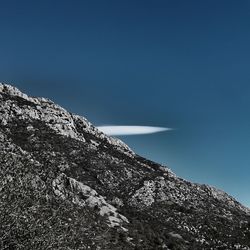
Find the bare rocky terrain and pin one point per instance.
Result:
(66, 185)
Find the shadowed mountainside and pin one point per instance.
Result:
(66, 185)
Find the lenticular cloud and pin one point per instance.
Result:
(131, 130)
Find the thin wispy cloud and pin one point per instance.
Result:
(131, 130)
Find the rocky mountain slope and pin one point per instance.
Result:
(66, 185)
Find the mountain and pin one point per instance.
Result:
(66, 185)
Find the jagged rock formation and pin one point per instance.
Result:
(66, 185)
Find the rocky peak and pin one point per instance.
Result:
(56, 117)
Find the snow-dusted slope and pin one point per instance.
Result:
(66, 185)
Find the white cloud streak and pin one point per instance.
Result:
(131, 130)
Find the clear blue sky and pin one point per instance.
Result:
(181, 64)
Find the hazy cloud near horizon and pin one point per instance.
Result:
(131, 130)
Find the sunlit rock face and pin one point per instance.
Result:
(66, 185)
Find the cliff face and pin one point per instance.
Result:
(66, 185)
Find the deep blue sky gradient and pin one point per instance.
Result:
(181, 64)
